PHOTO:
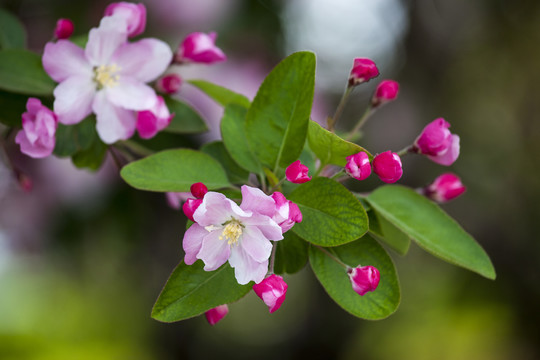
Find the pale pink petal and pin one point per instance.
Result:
(214, 252)
(35, 150)
(64, 59)
(192, 242)
(245, 268)
(104, 40)
(450, 155)
(131, 94)
(144, 60)
(113, 122)
(216, 209)
(73, 99)
(269, 228)
(254, 199)
(255, 244)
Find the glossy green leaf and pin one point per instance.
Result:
(175, 170)
(334, 278)
(291, 254)
(233, 132)
(12, 31)
(332, 215)
(221, 95)
(21, 72)
(329, 147)
(71, 139)
(396, 239)
(186, 120)
(91, 158)
(277, 120)
(190, 291)
(13, 106)
(235, 173)
(431, 228)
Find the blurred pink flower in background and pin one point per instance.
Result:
(37, 138)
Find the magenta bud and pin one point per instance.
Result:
(297, 173)
(198, 190)
(213, 316)
(358, 166)
(64, 29)
(438, 143)
(272, 291)
(150, 122)
(386, 91)
(287, 213)
(169, 84)
(134, 16)
(387, 166)
(364, 279)
(363, 70)
(190, 206)
(199, 48)
(446, 187)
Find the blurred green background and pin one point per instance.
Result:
(83, 256)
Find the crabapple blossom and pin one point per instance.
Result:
(385, 92)
(37, 137)
(213, 316)
(364, 279)
(363, 70)
(387, 166)
(297, 173)
(272, 290)
(438, 143)
(150, 122)
(446, 187)
(64, 29)
(199, 47)
(134, 16)
(358, 166)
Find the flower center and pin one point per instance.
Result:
(232, 232)
(105, 75)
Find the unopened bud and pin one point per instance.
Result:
(358, 166)
(363, 70)
(438, 143)
(272, 291)
(364, 279)
(169, 84)
(190, 206)
(64, 29)
(446, 187)
(198, 190)
(387, 166)
(213, 316)
(386, 91)
(297, 173)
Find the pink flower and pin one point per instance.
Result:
(286, 212)
(446, 187)
(438, 143)
(364, 279)
(175, 199)
(190, 206)
(386, 91)
(150, 122)
(169, 84)
(107, 78)
(134, 16)
(224, 231)
(358, 166)
(387, 166)
(363, 70)
(37, 138)
(199, 47)
(272, 291)
(64, 28)
(213, 316)
(297, 173)
(198, 190)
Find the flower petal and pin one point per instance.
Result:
(450, 155)
(269, 228)
(113, 122)
(192, 242)
(73, 99)
(64, 59)
(245, 268)
(104, 40)
(254, 199)
(144, 60)
(255, 244)
(214, 252)
(216, 209)
(131, 94)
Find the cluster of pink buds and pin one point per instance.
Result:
(387, 166)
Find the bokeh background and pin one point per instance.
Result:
(83, 256)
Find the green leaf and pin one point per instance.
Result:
(221, 95)
(13, 106)
(235, 173)
(91, 158)
(291, 254)
(12, 32)
(71, 139)
(186, 120)
(277, 120)
(21, 72)
(329, 147)
(175, 170)
(233, 132)
(389, 234)
(79, 40)
(431, 228)
(334, 278)
(191, 291)
(331, 214)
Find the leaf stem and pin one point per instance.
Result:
(135, 148)
(333, 257)
(406, 150)
(333, 120)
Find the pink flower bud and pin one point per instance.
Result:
(37, 138)
(190, 206)
(438, 143)
(134, 16)
(169, 84)
(386, 91)
(287, 213)
(199, 48)
(358, 166)
(213, 316)
(272, 291)
(363, 70)
(446, 187)
(364, 279)
(198, 190)
(387, 166)
(297, 173)
(150, 122)
(64, 29)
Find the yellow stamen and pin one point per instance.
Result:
(231, 232)
(105, 75)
